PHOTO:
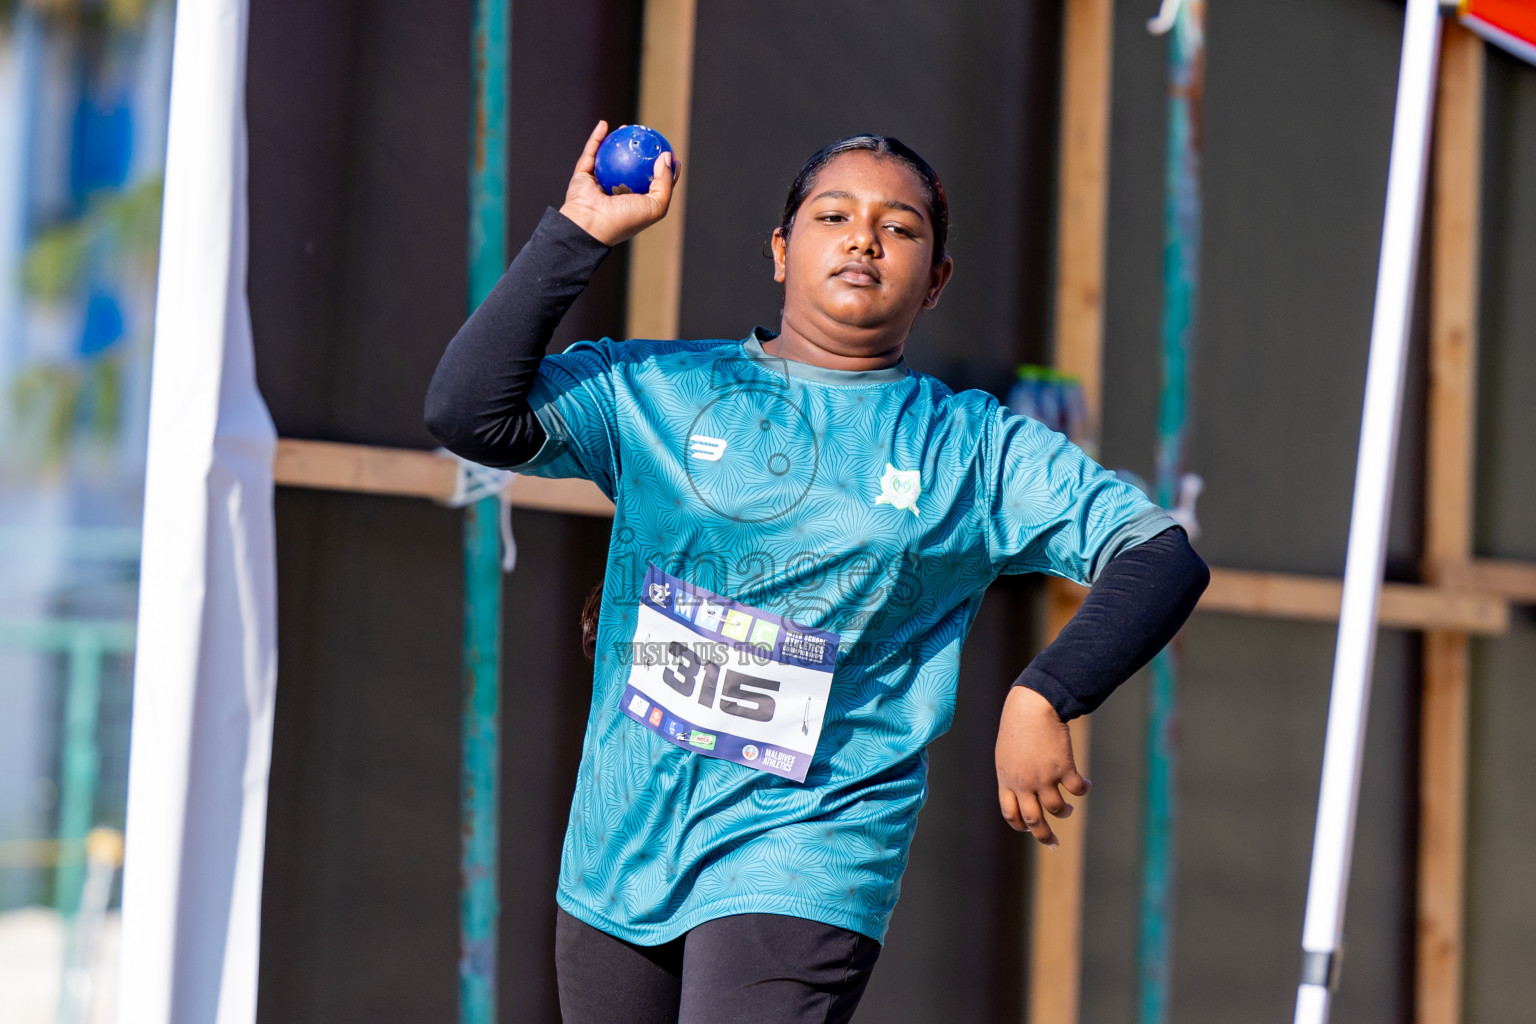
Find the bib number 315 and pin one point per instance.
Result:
(742, 695)
(724, 679)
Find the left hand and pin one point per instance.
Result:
(1034, 757)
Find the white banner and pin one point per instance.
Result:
(206, 669)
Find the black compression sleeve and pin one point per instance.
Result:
(477, 403)
(1135, 607)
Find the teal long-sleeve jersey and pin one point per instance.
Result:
(797, 556)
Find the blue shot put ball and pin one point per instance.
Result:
(626, 160)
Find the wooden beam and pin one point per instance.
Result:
(1449, 486)
(409, 473)
(1317, 599)
(666, 99)
(1458, 606)
(402, 472)
(579, 497)
(1513, 580)
(1056, 917)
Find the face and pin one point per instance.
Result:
(858, 265)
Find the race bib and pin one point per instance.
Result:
(727, 680)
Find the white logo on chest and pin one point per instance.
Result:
(900, 487)
(708, 448)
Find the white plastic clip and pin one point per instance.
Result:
(1183, 511)
(474, 482)
(1190, 486)
(1166, 16)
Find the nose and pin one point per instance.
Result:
(862, 238)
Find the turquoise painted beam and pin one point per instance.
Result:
(1181, 281)
(81, 769)
(479, 899)
(84, 643)
(109, 635)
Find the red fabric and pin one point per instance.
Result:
(1516, 17)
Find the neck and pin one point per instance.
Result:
(873, 351)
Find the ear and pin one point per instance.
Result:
(937, 279)
(780, 254)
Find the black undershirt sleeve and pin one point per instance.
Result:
(477, 403)
(1140, 600)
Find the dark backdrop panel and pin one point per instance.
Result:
(358, 120)
(359, 117)
(1298, 119)
(359, 183)
(1501, 819)
(1298, 112)
(1507, 346)
(362, 837)
(972, 87)
(1501, 897)
(1252, 741)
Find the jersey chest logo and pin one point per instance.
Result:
(900, 488)
(708, 448)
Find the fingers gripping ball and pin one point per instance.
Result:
(626, 161)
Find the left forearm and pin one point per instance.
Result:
(1135, 607)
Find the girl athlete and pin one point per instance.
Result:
(803, 531)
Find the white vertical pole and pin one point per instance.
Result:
(1339, 795)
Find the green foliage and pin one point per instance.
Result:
(133, 222)
(88, 17)
(123, 227)
(52, 401)
(117, 237)
(55, 262)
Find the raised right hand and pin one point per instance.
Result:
(614, 219)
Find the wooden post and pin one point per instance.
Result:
(1448, 524)
(1055, 948)
(666, 98)
(1083, 189)
(1056, 919)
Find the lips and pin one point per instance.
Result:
(855, 269)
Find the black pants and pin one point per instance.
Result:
(749, 967)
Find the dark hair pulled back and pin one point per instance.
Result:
(589, 611)
(881, 145)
